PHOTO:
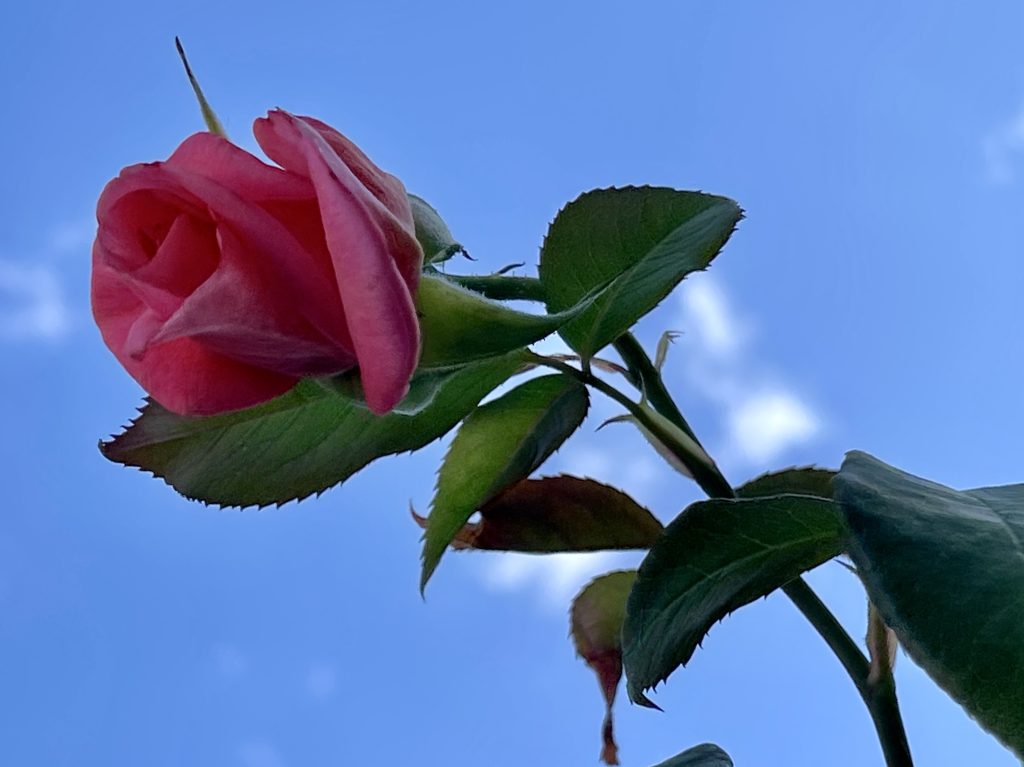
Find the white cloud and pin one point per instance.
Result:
(709, 319)
(322, 681)
(769, 423)
(557, 578)
(1004, 149)
(764, 418)
(259, 753)
(31, 303)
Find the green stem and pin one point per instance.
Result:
(879, 695)
(502, 287)
(640, 365)
(692, 455)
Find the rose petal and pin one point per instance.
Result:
(180, 375)
(382, 185)
(185, 259)
(364, 238)
(234, 314)
(136, 210)
(188, 379)
(217, 159)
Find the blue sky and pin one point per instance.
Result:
(870, 300)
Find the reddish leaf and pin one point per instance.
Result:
(596, 626)
(554, 514)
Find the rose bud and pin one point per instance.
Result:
(219, 280)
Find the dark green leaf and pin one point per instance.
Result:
(635, 243)
(946, 571)
(562, 513)
(713, 558)
(499, 444)
(298, 444)
(595, 624)
(804, 480)
(459, 325)
(432, 232)
(704, 755)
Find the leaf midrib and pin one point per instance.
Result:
(551, 409)
(719, 575)
(614, 286)
(1016, 543)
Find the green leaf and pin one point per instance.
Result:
(298, 444)
(595, 624)
(704, 755)
(554, 514)
(803, 480)
(500, 443)
(424, 387)
(713, 558)
(432, 232)
(636, 243)
(946, 571)
(460, 326)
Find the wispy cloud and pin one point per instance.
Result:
(763, 416)
(32, 305)
(1003, 149)
(555, 578)
(710, 320)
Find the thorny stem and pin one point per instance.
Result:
(878, 691)
(640, 364)
(703, 469)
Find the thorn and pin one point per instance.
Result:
(624, 418)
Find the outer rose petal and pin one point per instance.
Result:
(386, 188)
(367, 243)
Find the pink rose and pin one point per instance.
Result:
(219, 281)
